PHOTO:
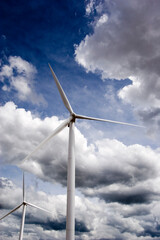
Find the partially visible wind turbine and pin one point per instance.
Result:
(24, 204)
(70, 219)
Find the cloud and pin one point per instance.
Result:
(18, 75)
(41, 223)
(6, 187)
(142, 192)
(89, 7)
(4, 182)
(55, 224)
(110, 176)
(126, 45)
(94, 218)
(100, 167)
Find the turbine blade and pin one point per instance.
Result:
(32, 205)
(56, 131)
(61, 91)
(23, 188)
(106, 120)
(13, 210)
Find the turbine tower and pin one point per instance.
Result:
(24, 204)
(70, 219)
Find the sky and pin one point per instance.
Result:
(106, 56)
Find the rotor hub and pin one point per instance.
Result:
(73, 117)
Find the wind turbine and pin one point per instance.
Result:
(24, 204)
(70, 219)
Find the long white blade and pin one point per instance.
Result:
(106, 120)
(13, 210)
(23, 188)
(56, 131)
(32, 205)
(61, 91)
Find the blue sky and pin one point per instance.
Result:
(106, 57)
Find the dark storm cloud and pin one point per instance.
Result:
(126, 181)
(86, 178)
(126, 166)
(109, 175)
(46, 224)
(111, 239)
(80, 227)
(56, 225)
(128, 198)
(139, 193)
(4, 206)
(92, 178)
(60, 174)
(138, 210)
(18, 214)
(151, 117)
(152, 231)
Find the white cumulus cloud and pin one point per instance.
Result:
(18, 75)
(111, 177)
(125, 44)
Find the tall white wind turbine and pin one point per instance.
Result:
(24, 204)
(70, 219)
